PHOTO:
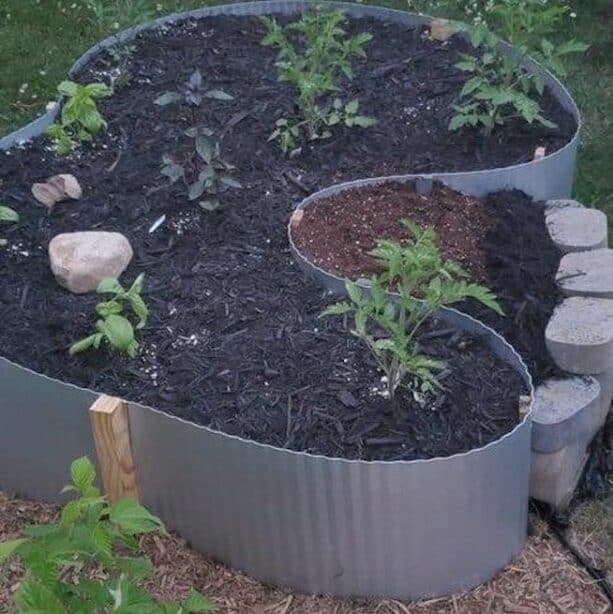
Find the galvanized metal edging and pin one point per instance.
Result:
(405, 529)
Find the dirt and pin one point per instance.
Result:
(234, 337)
(337, 233)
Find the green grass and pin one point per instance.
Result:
(40, 39)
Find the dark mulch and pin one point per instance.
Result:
(234, 340)
(502, 241)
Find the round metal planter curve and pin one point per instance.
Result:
(546, 178)
(402, 529)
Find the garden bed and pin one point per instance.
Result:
(234, 341)
(501, 241)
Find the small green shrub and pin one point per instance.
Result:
(424, 281)
(112, 325)
(86, 562)
(314, 68)
(204, 172)
(7, 215)
(80, 119)
(498, 89)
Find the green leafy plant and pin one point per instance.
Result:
(193, 93)
(530, 26)
(499, 88)
(80, 119)
(112, 325)
(204, 172)
(314, 68)
(7, 215)
(424, 282)
(87, 561)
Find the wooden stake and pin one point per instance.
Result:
(111, 429)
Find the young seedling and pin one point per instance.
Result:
(112, 326)
(7, 215)
(204, 172)
(314, 70)
(499, 87)
(87, 561)
(424, 281)
(80, 119)
(194, 92)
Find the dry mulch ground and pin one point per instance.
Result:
(543, 579)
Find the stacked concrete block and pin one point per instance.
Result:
(569, 412)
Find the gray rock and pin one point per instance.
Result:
(579, 335)
(554, 477)
(587, 273)
(564, 411)
(575, 229)
(80, 260)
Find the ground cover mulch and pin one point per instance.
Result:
(544, 579)
(234, 340)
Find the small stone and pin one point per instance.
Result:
(565, 410)
(81, 260)
(440, 29)
(577, 229)
(57, 189)
(587, 273)
(579, 335)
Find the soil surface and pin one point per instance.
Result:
(502, 241)
(544, 579)
(234, 340)
(337, 233)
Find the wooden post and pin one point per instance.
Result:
(111, 429)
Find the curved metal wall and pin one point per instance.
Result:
(405, 529)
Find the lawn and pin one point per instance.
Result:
(39, 40)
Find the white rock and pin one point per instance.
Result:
(80, 260)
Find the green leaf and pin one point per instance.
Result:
(109, 285)
(338, 309)
(352, 107)
(85, 344)
(8, 215)
(136, 568)
(107, 308)
(133, 518)
(195, 603)
(137, 285)
(196, 190)
(354, 292)
(230, 181)
(8, 548)
(67, 88)
(140, 309)
(218, 95)
(35, 598)
(167, 98)
(205, 148)
(82, 474)
(363, 121)
(119, 332)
